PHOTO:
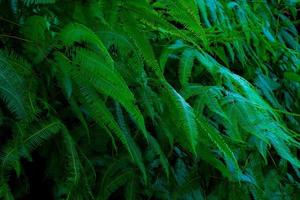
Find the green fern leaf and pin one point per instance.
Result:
(142, 43)
(103, 117)
(74, 165)
(77, 32)
(185, 66)
(12, 88)
(107, 81)
(11, 154)
(184, 117)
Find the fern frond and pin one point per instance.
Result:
(142, 43)
(74, 165)
(13, 87)
(185, 66)
(77, 32)
(218, 140)
(186, 13)
(114, 178)
(100, 113)
(42, 133)
(108, 81)
(11, 154)
(38, 47)
(185, 117)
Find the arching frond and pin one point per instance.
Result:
(15, 90)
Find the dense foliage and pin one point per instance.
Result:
(149, 99)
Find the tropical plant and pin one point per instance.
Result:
(149, 99)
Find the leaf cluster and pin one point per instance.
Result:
(140, 99)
